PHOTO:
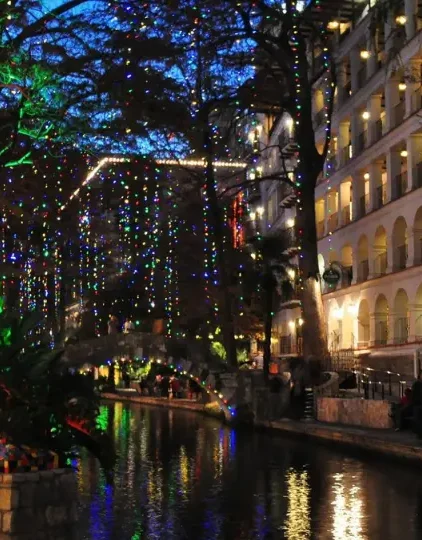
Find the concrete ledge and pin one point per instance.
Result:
(366, 413)
(185, 404)
(398, 445)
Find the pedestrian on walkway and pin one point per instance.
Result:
(112, 325)
(128, 326)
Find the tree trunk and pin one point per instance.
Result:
(216, 220)
(315, 349)
(268, 326)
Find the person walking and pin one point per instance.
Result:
(128, 326)
(112, 325)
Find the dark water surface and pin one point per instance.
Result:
(184, 476)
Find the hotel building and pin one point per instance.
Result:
(369, 197)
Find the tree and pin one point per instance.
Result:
(285, 38)
(272, 275)
(43, 405)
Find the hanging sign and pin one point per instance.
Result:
(331, 276)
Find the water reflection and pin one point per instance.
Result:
(183, 476)
(347, 504)
(298, 520)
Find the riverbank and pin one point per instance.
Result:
(185, 404)
(400, 445)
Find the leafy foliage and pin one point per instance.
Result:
(43, 404)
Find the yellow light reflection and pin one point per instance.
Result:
(347, 518)
(298, 521)
(184, 471)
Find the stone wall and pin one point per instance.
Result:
(38, 505)
(354, 412)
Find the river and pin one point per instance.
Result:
(181, 475)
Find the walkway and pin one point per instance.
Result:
(187, 404)
(402, 445)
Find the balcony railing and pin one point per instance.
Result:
(320, 229)
(401, 330)
(290, 345)
(380, 264)
(346, 214)
(401, 257)
(380, 196)
(399, 186)
(319, 117)
(253, 194)
(331, 163)
(361, 77)
(363, 206)
(344, 93)
(361, 141)
(363, 271)
(416, 101)
(345, 155)
(347, 276)
(378, 129)
(398, 113)
(333, 222)
(417, 175)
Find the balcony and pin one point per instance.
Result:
(344, 93)
(361, 77)
(331, 164)
(290, 345)
(347, 277)
(380, 196)
(291, 298)
(401, 257)
(361, 141)
(416, 101)
(287, 143)
(333, 222)
(363, 206)
(363, 271)
(345, 154)
(417, 175)
(398, 113)
(289, 240)
(378, 129)
(401, 330)
(346, 214)
(286, 196)
(253, 194)
(320, 229)
(399, 186)
(380, 264)
(319, 117)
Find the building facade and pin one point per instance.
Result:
(369, 198)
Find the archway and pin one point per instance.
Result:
(399, 244)
(381, 316)
(417, 236)
(347, 262)
(335, 337)
(332, 256)
(362, 259)
(363, 324)
(401, 317)
(380, 252)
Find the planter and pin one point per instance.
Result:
(38, 505)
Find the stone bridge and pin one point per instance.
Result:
(227, 388)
